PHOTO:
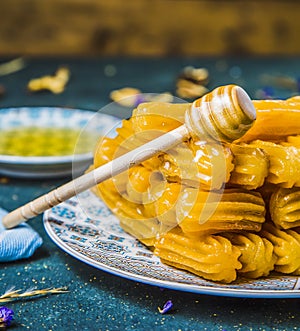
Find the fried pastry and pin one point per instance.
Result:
(200, 212)
(293, 141)
(139, 181)
(152, 119)
(257, 255)
(275, 120)
(285, 208)
(284, 163)
(198, 164)
(211, 257)
(251, 166)
(202, 205)
(286, 248)
(108, 148)
(161, 202)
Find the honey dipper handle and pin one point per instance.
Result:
(90, 179)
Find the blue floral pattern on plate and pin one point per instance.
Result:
(86, 229)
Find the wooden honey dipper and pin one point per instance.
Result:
(225, 115)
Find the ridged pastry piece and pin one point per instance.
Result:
(117, 203)
(211, 257)
(161, 202)
(139, 181)
(108, 148)
(197, 164)
(123, 193)
(292, 141)
(286, 248)
(276, 119)
(200, 212)
(145, 230)
(125, 140)
(177, 165)
(251, 166)
(295, 99)
(285, 208)
(214, 162)
(134, 217)
(113, 191)
(284, 163)
(257, 255)
(155, 118)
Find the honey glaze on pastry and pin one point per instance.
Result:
(251, 166)
(211, 257)
(285, 208)
(275, 120)
(207, 215)
(284, 163)
(286, 248)
(257, 256)
(200, 212)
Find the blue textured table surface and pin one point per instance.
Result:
(97, 300)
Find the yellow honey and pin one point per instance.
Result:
(45, 141)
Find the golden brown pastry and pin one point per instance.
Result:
(161, 202)
(202, 206)
(155, 118)
(285, 208)
(200, 212)
(286, 248)
(211, 257)
(198, 164)
(284, 163)
(128, 193)
(275, 120)
(257, 255)
(251, 166)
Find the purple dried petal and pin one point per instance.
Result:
(139, 99)
(268, 92)
(6, 316)
(167, 307)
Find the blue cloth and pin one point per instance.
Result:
(17, 243)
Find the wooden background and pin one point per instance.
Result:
(149, 27)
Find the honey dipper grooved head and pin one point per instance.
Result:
(225, 114)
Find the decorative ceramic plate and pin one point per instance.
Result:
(27, 134)
(86, 229)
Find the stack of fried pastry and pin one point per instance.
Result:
(220, 211)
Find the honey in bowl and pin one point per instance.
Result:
(45, 141)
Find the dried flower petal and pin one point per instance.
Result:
(162, 97)
(131, 97)
(268, 92)
(6, 316)
(167, 307)
(126, 96)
